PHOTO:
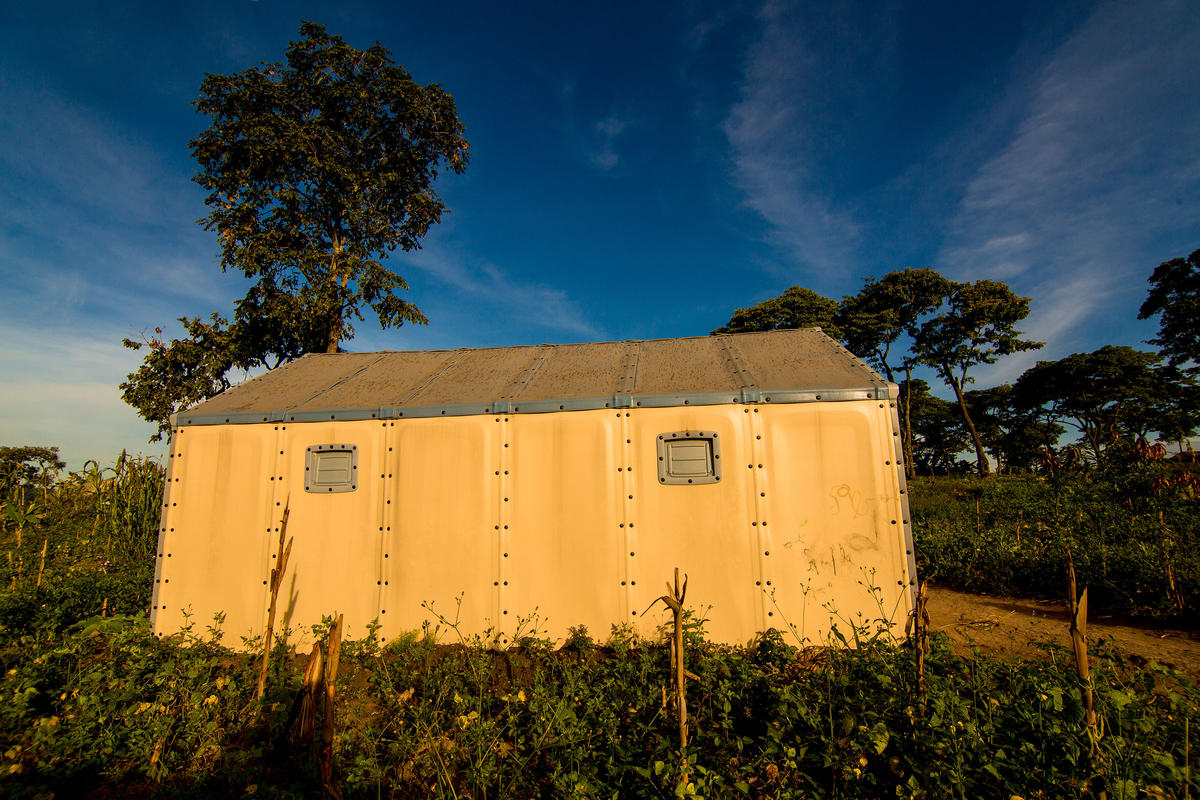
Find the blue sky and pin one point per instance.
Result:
(637, 170)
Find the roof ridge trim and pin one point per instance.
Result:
(622, 400)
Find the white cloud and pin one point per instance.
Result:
(602, 151)
(1061, 306)
(792, 84)
(535, 305)
(1098, 175)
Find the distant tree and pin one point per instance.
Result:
(977, 327)
(316, 169)
(795, 308)
(1178, 417)
(1106, 394)
(28, 465)
(884, 310)
(1015, 438)
(873, 320)
(1175, 294)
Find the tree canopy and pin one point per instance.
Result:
(884, 310)
(795, 308)
(28, 465)
(1175, 295)
(1110, 392)
(316, 168)
(978, 326)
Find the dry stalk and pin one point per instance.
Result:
(331, 669)
(277, 571)
(1079, 609)
(919, 632)
(310, 694)
(42, 564)
(674, 601)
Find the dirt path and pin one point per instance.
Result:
(1011, 626)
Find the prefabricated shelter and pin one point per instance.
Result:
(562, 482)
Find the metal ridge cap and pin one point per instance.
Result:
(509, 406)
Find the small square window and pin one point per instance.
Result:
(689, 457)
(331, 468)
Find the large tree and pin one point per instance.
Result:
(316, 168)
(795, 308)
(1105, 394)
(1175, 294)
(977, 327)
(884, 310)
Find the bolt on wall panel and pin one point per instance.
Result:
(441, 509)
(834, 518)
(215, 550)
(706, 530)
(561, 505)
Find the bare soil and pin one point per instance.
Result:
(1023, 628)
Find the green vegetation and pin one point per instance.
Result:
(1139, 554)
(94, 705)
(83, 548)
(113, 706)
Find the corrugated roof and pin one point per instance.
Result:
(777, 366)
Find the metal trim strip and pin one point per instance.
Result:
(892, 398)
(745, 396)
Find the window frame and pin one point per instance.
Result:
(312, 458)
(664, 441)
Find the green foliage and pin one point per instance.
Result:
(111, 706)
(316, 169)
(977, 327)
(884, 310)
(1015, 437)
(319, 167)
(28, 466)
(795, 308)
(938, 435)
(177, 374)
(1107, 393)
(1132, 530)
(99, 532)
(1175, 295)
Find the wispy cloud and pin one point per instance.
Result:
(1062, 305)
(94, 220)
(790, 86)
(602, 150)
(484, 284)
(1099, 175)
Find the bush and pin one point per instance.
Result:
(1135, 547)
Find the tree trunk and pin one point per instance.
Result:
(980, 455)
(335, 322)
